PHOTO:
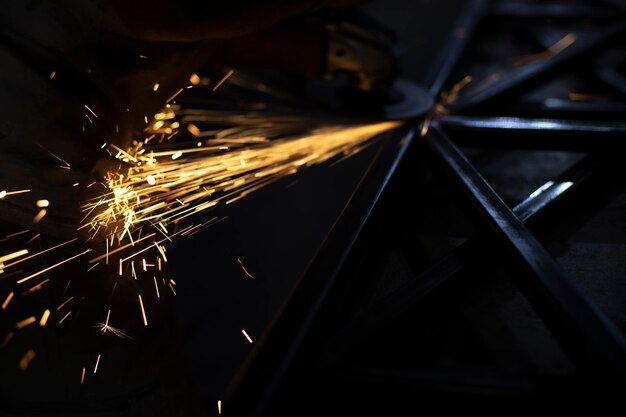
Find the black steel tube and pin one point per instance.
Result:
(583, 330)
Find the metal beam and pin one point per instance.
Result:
(585, 333)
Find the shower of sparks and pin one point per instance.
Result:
(26, 359)
(245, 271)
(245, 334)
(44, 318)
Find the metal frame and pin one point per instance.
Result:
(596, 346)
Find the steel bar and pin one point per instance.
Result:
(518, 133)
(469, 254)
(454, 46)
(585, 333)
(255, 386)
(521, 79)
(558, 108)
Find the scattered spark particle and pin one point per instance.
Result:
(33, 238)
(150, 180)
(7, 339)
(95, 369)
(52, 74)
(145, 119)
(26, 359)
(155, 87)
(64, 303)
(51, 267)
(172, 288)
(219, 407)
(7, 300)
(3, 194)
(193, 129)
(246, 336)
(143, 57)
(107, 251)
(194, 79)
(177, 155)
(82, 377)
(44, 318)
(40, 253)
(156, 285)
(175, 125)
(65, 316)
(13, 255)
(91, 111)
(132, 269)
(39, 216)
(244, 269)
(144, 264)
(159, 263)
(16, 192)
(143, 312)
(36, 287)
(226, 77)
(25, 322)
(174, 95)
(199, 144)
(96, 264)
(42, 203)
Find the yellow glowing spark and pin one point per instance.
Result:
(150, 180)
(42, 203)
(41, 253)
(26, 359)
(52, 74)
(95, 369)
(39, 216)
(13, 255)
(3, 194)
(193, 129)
(244, 269)
(16, 192)
(7, 339)
(247, 336)
(172, 288)
(44, 318)
(23, 323)
(143, 312)
(36, 287)
(82, 377)
(64, 303)
(155, 87)
(177, 155)
(52, 267)
(219, 407)
(174, 95)
(194, 79)
(223, 80)
(7, 300)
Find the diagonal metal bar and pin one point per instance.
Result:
(469, 254)
(515, 132)
(584, 332)
(532, 74)
(455, 45)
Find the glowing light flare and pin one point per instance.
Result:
(42, 203)
(27, 359)
(248, 338)
(44, 318)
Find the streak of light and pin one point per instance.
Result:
(23, 323)
(33, 238)
(156, 285)
(174, 95)
(91, 111)
(65, 316)
(143, 312)
(172, 288)
(247, 336)
(13, 255)
(14, 192)
(155, 87)
(64, 303)
(223, 80)
(219, 407)
(40, 253)
(7, 300)
(39, 216)
(99, 258)
(42, 203)
(82, 377)
(95, 369)
(21, 232)
(26, 359)
(95, 265)
(21, 281)
(44, 318)
(52, 74)
(36, 287)
(244, 269)
(193, 129)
